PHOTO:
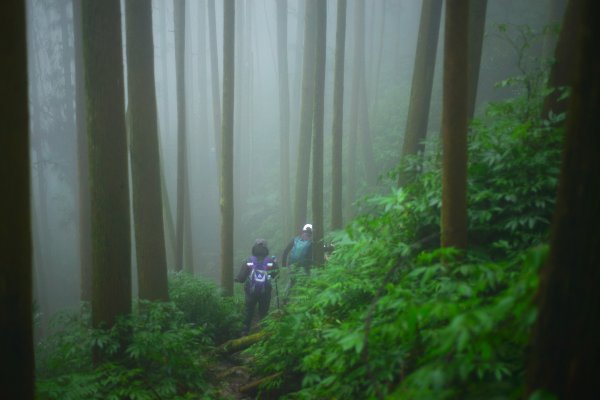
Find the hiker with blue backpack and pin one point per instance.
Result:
(257, 274)
(298, 254)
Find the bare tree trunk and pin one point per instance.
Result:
(111, 254)
(214, 66)
(564, 357)
(145, 162)
(227, 210)
(422, 83)
(306, 119)
(82, 161)
(181, 129)
(477, 12)
(317, 151)
(16, 332)
(454, 126)
(338, 111)
(284, 116)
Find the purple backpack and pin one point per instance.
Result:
(259, 278)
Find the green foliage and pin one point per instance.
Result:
(164, 358)
(385, 318)
(168, 348)
(203, 305)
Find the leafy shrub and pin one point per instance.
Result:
(386, 318)
(203, 305)
(165, 358)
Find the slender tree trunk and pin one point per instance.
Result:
(227, 212)
(165, 69)
(564, 358)
(365, 132)
(422, 83)
(16, 331)
(375, 97)
(306, 118)
(215, 80)
(284, 116)
(338, 111)
(477, 12)
(317, 151)
(353, 130)
(454, 126)
(107, 139)
(145, 162)
(181, 129)
(85, 245)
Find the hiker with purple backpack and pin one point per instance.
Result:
(257, 273)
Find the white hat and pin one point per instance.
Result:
(307, 227)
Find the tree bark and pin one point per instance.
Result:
(454, 126)
(145, 162)
(16, 331)
(565, 354)
(477, 12)
(338, 111)
(317, 150)
(227, 211)
(215, 80)
(107, 140)
(181, 130)
(422, 83)
(306, 118)
(82, 161)
(564, 54)
(284, 116)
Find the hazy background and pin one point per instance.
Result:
(391, 35)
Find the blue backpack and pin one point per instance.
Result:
(259, 278)
(300, 250)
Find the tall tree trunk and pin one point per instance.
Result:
(227, 148)
(454, 126)
(374, 99)
(338, 111)
(306, 118)
(477, 12)
(181, 129)
(560, 76)
(363, 108)
(317, 151)
(284, 116)
(16, 332)
(165, 69)
(145, 162)
(85, 244)
(564, 358)
(365, 131)
(422, 83)
(214, 67)
(107, 139)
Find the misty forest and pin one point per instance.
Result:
(299, 199)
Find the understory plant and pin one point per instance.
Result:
(385, 318)
(169, 347)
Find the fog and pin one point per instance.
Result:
(391, 29)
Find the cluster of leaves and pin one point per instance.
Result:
(386, 318)
(204, 306)
(166, 352)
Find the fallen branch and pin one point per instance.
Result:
(252, 387)
(235, 345)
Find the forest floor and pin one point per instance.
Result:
(232, 373)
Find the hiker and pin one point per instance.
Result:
(298, 253)
(256, 273)
(299, 250)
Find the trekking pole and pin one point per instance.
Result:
(277, 292)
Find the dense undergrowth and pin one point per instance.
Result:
(167, 357)
(385, 318)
